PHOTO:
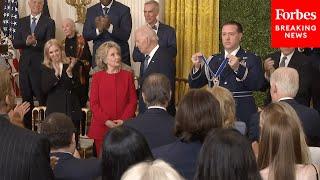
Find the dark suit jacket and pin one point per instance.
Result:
(162, 63)
(167, 39)
(44, 31)
(310, 120)
(71, 168)
(302, 64)
(182, 156)
(23, 154)
(156, 125)
(60, 93)
(122, 23)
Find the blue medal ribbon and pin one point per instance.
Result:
(220, 69)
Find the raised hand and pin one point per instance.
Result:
(234, 62)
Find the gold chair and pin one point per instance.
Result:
(38, 115)
(86, 144)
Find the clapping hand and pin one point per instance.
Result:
(16, 115)
(73, 61)
(56, 68)
(31, 40)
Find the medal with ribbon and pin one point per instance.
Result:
(214, 77)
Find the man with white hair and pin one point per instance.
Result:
(32, 33)
(157, 60)
(284, 85)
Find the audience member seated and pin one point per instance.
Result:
(283, 152)
(122, 148)
(284, 85)
(156, 170)
(198, 113)
(226, 154)
(23, 154)
(156, 124)
(228, 109)
(59, 129)
(113, 96)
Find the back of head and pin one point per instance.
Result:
(155, 170)
(282, 143)
(286, 80)
(147, 32)
(227, 105)
(59, 129)
(197, 114)
(5, 87)
(122, 148)
(226, 154)
(156, 90)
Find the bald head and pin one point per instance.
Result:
(284, 82)
(146, 39)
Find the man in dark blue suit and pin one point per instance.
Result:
(289, 57)
(32, 33)
(59, 129)
(157, 60)
(284, 85)
(156, 124)
(166, 34)
(109, 20)
(235, 69)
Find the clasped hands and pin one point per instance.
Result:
(102, 23)
(113, 123)
(233, 61)
(31, 40)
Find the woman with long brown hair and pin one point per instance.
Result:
(283, 152)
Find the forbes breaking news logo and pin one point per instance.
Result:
(295, 24)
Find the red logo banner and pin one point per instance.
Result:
(295, 23)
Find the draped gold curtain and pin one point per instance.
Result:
(197, 28)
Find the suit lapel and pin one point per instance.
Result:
(39, 24)
(28, 24)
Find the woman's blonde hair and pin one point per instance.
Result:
(102, 53)
(227, 105)
(282, 141)
(47, 60)
(155, 170)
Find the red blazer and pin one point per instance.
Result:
(112, 97)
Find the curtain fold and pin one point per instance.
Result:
(197, 28)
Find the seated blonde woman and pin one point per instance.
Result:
(228, 109)
(157, 170)
(283, 152)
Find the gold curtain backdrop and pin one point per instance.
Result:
(197, 28)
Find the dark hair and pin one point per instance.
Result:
(198, 113)
(156, 89)
(59, 129)
(239, 26)
(123, 147)
(226, 154)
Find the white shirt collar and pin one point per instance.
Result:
(284, 98)
(233, 53)
(109, 6)
(37, 18)
(157, 107)
(151, 54)
(289, 56)
(157, 25)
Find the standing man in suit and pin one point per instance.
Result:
(23, 154)
(157, 60)
(284, 85)
(290, 57)
(235, 69)
(166, 34)
(156, 124)
(59, 129)
(109, 20)
(32, 33)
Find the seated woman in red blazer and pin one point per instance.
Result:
(112, 95)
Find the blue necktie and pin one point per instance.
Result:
(33, 24)
(145, 63)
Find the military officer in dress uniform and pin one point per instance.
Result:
(235, 69)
